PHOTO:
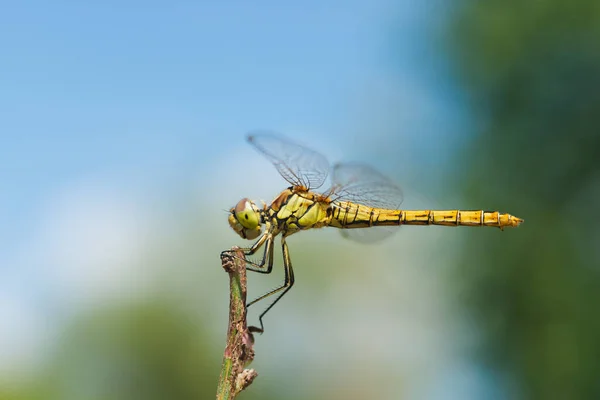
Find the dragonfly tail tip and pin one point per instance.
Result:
(517, 221)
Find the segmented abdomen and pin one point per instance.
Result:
(351, 215)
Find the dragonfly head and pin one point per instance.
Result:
(245, 218)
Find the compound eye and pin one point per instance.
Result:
(246, 214)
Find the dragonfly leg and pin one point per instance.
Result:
(267, 255)
(287, 285)
(248, 251)
(266, 258)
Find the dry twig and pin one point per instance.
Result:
(239, 351)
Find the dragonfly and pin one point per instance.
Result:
(359, 197)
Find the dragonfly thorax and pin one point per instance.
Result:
(246, 219)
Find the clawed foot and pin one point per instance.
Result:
(233, 253)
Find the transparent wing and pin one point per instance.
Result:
(369, 235)
(363, 184)
(359, 183)
(297, 164)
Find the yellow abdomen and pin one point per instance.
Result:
(351, 215)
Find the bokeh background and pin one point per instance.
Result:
(122, 127)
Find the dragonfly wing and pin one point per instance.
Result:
(369, 235)
(298, 165)
(362, 184)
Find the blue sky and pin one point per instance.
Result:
(100, 85)
(157, 88)
(148, 94)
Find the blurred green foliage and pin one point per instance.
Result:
(138, 351)
(531, 71)
(146, 350)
